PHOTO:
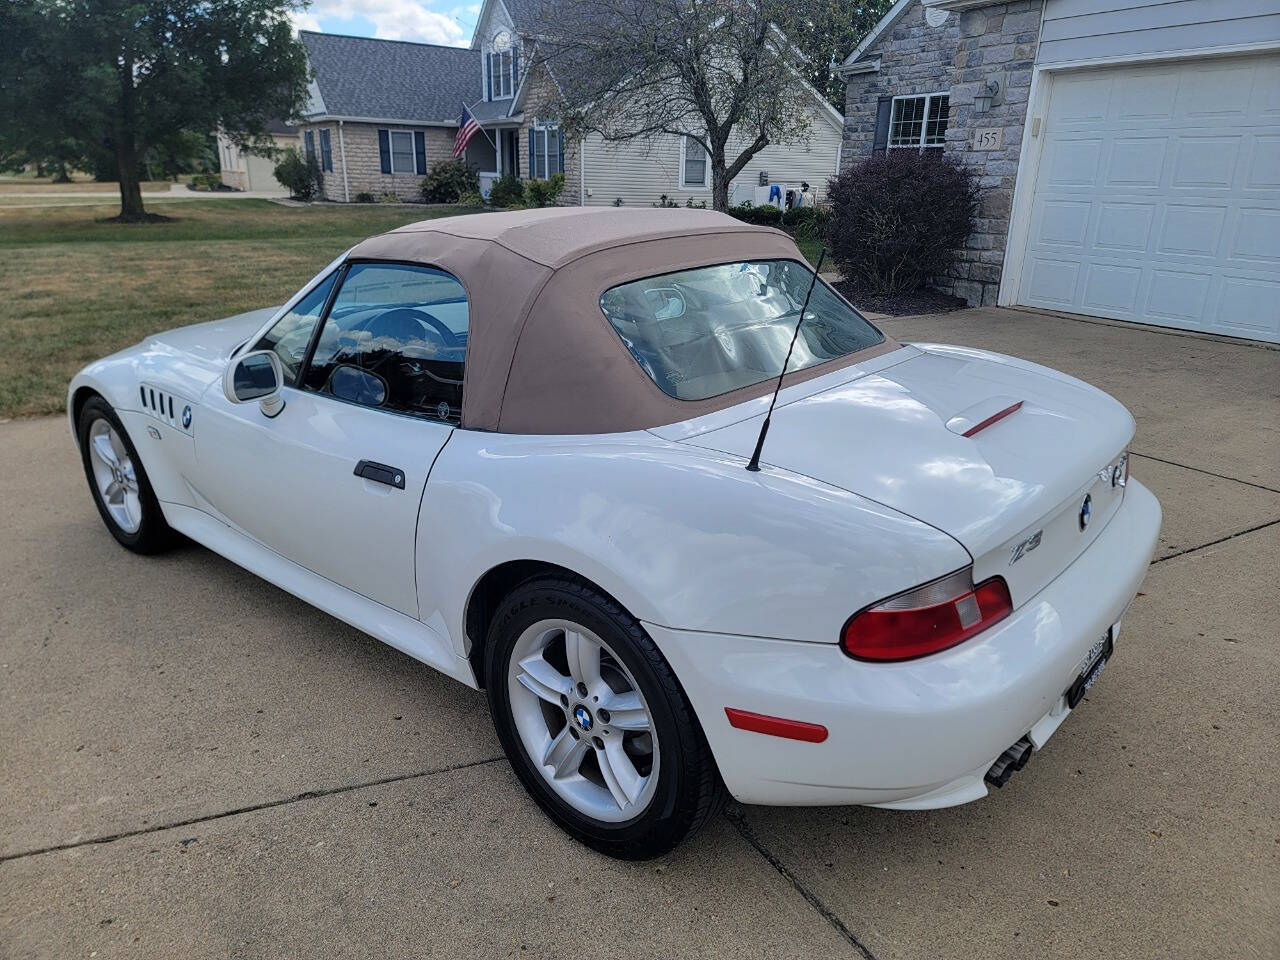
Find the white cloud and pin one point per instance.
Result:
(393, 20)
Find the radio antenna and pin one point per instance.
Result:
(754, 465)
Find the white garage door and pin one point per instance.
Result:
(1158, 197)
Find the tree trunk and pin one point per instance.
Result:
(62, 176)
(719, 182)
(130, 187)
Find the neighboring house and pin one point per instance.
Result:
(253, 171)
(1129, 158)
(384, 112)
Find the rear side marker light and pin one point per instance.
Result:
(776, 726)
(930, 618)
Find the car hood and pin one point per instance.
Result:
(186, 360)
(896, 436)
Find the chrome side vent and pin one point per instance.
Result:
(165, 406)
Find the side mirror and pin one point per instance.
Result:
(255, 376)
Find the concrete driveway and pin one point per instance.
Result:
(196, 764)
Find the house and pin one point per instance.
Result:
(383, 112)
(1129, 156)
(253, 171)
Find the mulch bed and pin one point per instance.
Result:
(902, 304)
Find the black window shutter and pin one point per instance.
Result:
(884, 107)
(515, 69)
(310, 138)
(560, 137)
(384, 150)
(419, 151)
(326, 151)
(533, 170)
(488, 76)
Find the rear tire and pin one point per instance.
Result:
(118, 482)
(632, 781)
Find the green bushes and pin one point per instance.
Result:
(301, 175)
(544, 193)
(206, 181)
(448, 181)
(507, 191)
(807, 223)
(765, 215)
(364, 196)
(471, 199)
(899, 219)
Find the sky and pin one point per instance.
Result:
(448, 22)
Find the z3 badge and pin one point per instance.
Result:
(1025, 547)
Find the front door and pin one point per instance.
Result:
(335, 481)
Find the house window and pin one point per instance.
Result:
(402, 152)
(309, 140)
(919, 123)
(326, 152)
(546, 150)
(500, 75)
(693, 163)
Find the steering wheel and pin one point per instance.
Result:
(394, 322)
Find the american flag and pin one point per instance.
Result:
(467, 128)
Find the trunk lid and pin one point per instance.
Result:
(895, 436)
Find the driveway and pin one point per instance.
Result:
(196, 764)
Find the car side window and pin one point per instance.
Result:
(396, 339)
(291, 334)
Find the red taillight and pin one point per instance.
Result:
(927, 619)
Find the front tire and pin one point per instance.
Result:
(594, 721)
(118, 482)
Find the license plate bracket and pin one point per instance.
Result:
(1075, 693)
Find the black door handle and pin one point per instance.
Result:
(380, 473)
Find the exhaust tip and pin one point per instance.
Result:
(1009, 763)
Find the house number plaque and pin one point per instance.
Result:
(988, 138)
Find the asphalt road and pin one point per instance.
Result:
(196, 764)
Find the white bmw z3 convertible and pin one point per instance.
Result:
(516, 447)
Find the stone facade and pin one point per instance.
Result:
(959, 57)
(359, 141)
(541, 102)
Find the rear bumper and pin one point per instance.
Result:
(919, 734)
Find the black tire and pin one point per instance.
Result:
(689, 789)
(153, 535)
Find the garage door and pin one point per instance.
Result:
(1158, 197)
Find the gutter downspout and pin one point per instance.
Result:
(582, 172)
(342, 149)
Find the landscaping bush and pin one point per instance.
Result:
(507, 191)
(364, 196)
(471, 199)
(765, 215)
(807, 223)
(205, 181)
(664, 201)
(544, 193)
(449, 180)
(899, 218)
(301, 175)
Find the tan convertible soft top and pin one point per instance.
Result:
(541, 356)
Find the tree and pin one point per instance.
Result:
(129, 79)
(725, 73)
(833, 33)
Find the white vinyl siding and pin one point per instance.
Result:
(1096, 29)
(640, 172)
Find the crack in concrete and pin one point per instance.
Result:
(1210, 473)
(744, 829)
(251, 808)
(1214, 543)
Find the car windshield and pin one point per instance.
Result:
(703, 332)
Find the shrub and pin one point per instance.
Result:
(507, 191)
(301, 175)
(544, 193)
(766, 215)
(390, 196)
(449, 180)
(471, 199)
(700, 205)
(364, 196)
(898, 219)
(807, 223)
(665, 201)
(206, 181)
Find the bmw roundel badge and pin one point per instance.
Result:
(583, 716)
(186, 417)
(1086, 510)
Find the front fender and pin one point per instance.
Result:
(683, 537)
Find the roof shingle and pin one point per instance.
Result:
(392, 79)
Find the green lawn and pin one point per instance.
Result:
(73, 289)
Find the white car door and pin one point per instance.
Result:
(335, 481)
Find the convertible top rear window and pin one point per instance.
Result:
(707, 331)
